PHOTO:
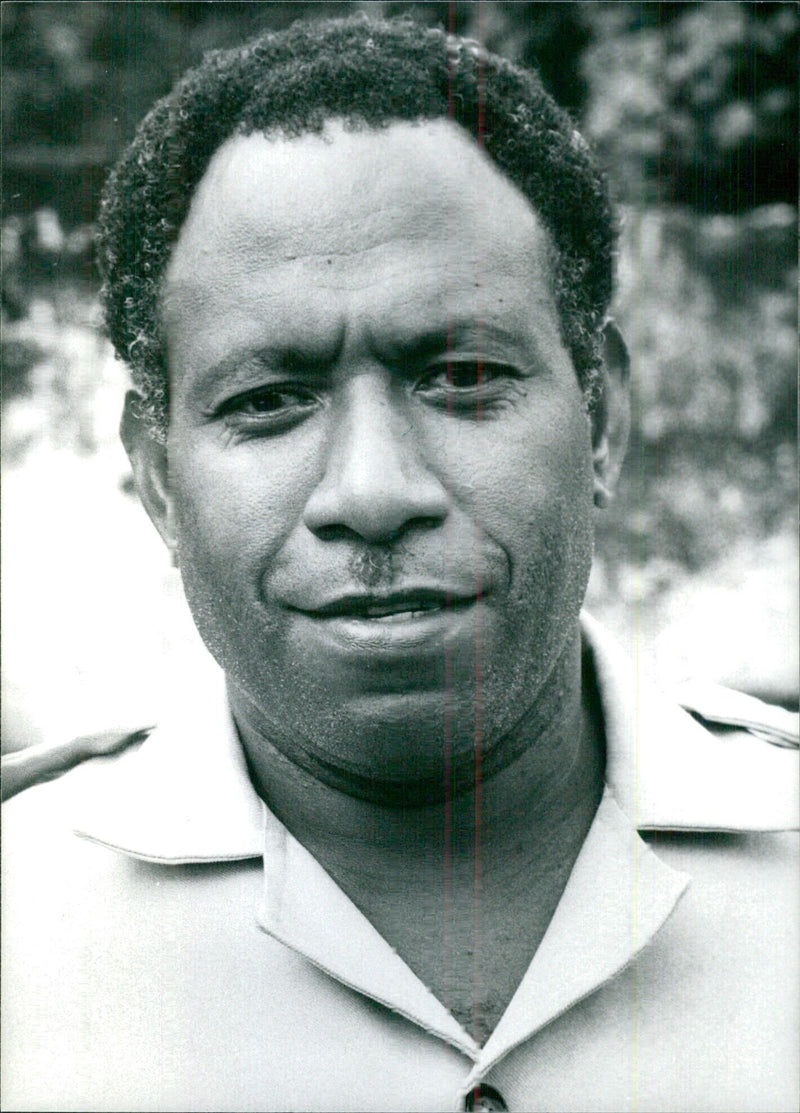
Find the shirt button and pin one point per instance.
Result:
(485, 1099)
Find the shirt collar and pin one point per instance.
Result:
(185, 794)
(617, 897)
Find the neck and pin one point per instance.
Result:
(464, 888)
(537, 775)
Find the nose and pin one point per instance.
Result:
(377, 482)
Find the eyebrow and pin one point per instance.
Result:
(246, 363)
(445, 337)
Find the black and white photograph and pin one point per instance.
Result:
(400, 557)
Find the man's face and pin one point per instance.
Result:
(380, 468)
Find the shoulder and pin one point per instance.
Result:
(699, 758)
(39, 814)
(729, 819)
(40, 809)
(722, 709)
(39, 764)
(745, 754)
(703, 760)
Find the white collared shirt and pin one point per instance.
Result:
(211, 962)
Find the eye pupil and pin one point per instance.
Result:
(265, 401)
(468, 376)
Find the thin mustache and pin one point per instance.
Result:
(315, 579)
(374, 566)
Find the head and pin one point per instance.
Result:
(369, 74)
(361, 274)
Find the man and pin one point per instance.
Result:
(361, 273)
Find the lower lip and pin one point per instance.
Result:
(403, 632)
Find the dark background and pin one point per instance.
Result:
(693, 108)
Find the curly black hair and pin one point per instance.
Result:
(369, 74)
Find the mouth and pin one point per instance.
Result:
(400, 606)
(374, 631)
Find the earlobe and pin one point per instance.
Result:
(611, 415)
(149, 463)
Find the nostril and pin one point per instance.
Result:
(338, 532)
(424, 523)
(335, 532)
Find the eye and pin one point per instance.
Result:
(272, 406)
(467, 384)
(465, 374)
(266, 400)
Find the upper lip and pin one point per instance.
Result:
(369, 605)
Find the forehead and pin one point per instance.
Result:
(410, 219)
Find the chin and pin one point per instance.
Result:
(403, 750)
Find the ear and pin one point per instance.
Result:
(611, 417)
(149, 463)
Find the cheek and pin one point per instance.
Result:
(230, 520)
(233, 512)
(529, 482)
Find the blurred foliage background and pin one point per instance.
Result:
(693, 109)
